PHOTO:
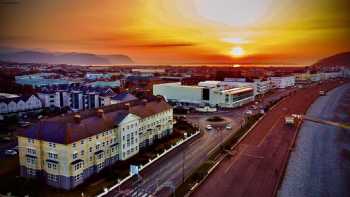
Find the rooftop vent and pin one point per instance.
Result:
(100, 113)
(77, 118)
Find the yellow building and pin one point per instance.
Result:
(65, 151)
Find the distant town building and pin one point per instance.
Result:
(205, 93)
(95, 76)
(65, 151)
(123, 98)
(260, 86)
(283, 82)
(103, 84)
(15, 104)
(42, 79)
(76, 97)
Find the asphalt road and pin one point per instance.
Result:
(182, 161)
(320, 164)
(258, 162)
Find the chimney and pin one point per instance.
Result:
(100, 113)
(127, 106)
(77, 118)
(159, 98)
(144, 101)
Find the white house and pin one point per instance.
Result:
(19, 104)
(283, 82)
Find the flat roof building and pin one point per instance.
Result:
(210, 93)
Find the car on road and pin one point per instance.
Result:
(228, 126)
(24, 124)
(209, 127)
(249, 112)
(10, 152)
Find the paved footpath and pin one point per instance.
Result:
(259, 161)
(320, 164)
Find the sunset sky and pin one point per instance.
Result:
(181, 31)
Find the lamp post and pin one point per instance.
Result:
(183, 160)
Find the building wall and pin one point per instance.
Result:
(283, 82)
(31, 103)
(175, 91)
(68, 165)
(155, 127)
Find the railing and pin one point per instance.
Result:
(150, 162)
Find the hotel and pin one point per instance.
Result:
(64, 151)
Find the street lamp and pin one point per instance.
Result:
(183, 160)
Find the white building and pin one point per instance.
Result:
(19, 104)
(94, 76)
(260, 86)
(58, 99)
(210, 93)
(283, 82)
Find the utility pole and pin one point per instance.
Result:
(183, 160)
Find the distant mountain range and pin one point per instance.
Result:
(340, 59)
(32, 56)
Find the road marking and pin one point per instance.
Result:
(267, 134)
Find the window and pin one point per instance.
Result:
(90, 149)
(31, 172)
(74, 145)
(82, 153)
(90, 139)
(52, 155)
(99, 166)
(31, 151)
(53, 145)
(52, 177)
(31, 160)
(99, 156)
(31, 141)
(78, 177)
(82, 142)
(97, 147)
(75, 156)
(78, 166)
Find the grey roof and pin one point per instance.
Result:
(65, 130)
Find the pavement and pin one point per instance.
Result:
(320, 164)
(171, 169)
(258, 164)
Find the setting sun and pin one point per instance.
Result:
(237, 52)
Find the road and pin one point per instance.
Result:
(259, 160)
(320, 164)
(171, 168)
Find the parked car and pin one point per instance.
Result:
(209, 127)
(24, 124)
(10, 152)
(228, 126)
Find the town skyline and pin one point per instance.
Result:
(178, 32)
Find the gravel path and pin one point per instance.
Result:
(320, 163)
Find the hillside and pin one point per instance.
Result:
(63, 58)
(340, 59)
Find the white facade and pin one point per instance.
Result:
(259, 86)
(283, 82)
(20, 104)
(179, 93)
(55, 99)
(207, 93)
(128, 132)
